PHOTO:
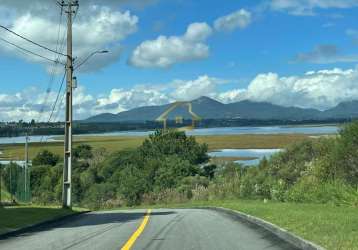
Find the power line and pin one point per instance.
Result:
(30, 41)
(59, 106)
(28, 51)
(59, 47)
(57, 98)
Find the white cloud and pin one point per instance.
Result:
(317, 89)
(307, 7)
(165, 51)
(239, 19)
(192, 89)
(101, 28)
(27, 104)
(120, 99)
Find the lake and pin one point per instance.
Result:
(319, 130)
(257, 153)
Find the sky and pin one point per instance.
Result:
(300, 53)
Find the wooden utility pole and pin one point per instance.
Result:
(67, 168)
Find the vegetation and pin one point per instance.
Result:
(102, 179)
(12, 218)
(172, 167)
(5, 196)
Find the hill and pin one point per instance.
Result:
(208, 108)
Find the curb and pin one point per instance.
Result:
(43, 224)
(283, 234)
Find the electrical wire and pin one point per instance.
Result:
(56, 101)
(28, 51)
(60, 44)
(52, 72)
(62, 82)
(57, 97)
(30, 41)
(60, 105)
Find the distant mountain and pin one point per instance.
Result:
(343, 110)
(208, 108)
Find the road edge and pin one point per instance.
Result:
(45, 223)
(283, 234)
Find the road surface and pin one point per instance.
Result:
(177, 229)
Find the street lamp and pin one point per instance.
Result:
(89, 56)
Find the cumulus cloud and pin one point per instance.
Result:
(120, 99)
(316, 89)
(307, 7)
(165, 51)
(33, 104)
(100, 28)
(192, 89)
(238, 19)
(325, 54)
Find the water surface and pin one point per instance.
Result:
(318, 130)
(257, 153)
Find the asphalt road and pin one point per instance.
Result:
(177, 229)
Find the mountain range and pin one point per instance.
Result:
(208, 108)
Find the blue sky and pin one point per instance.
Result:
(263, 56)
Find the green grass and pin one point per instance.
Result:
(5, 196)
(118, 143)
(21, 216)
(333, 227)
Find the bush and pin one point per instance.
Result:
(347, 153)
(99, 194)
(311, 190)
(46, 158)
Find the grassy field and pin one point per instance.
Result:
(333, 227)
(217, 160)
(117, 143)
(21, 216)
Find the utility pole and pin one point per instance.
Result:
(11, 195)
(0, 184)
(26, 166)
(67, 168)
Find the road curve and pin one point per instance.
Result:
(168, 229)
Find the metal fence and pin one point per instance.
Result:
(15, 183)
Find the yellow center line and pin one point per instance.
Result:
(129, 244)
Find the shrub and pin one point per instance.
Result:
(46, 158)
(347, 153)
(309, 189)
(99, 195)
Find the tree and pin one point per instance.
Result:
(173, 142)
(46, 158)
(347, 153)
(83, 151)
